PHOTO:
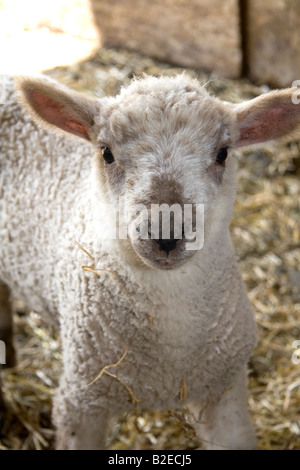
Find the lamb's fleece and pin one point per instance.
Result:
(178, 330)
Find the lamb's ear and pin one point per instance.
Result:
(267, 117)
(56, 105)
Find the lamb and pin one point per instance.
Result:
(154, 325)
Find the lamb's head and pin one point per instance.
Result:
(163, 144)
(163, 155)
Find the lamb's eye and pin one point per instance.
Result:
(222, 155)
(107, 155)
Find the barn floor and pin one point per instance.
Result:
(266, 234)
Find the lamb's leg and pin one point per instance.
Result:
(6, 325)
(7, 352)
(80, 422)
(2, 408)
(226, 424)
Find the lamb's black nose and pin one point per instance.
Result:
(166, 245)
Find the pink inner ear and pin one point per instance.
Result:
(56, 113)
(266, 125)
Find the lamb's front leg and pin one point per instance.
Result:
(6, 335)
(6, 325)
(2, 408)
(226, 424)
(80, 422)
(84, 402)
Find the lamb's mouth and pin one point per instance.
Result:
(165, 263)
(168, 263)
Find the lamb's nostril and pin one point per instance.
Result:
(166, 245)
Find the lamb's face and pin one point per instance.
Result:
(165, 141)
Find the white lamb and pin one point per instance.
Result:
(164, 326)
